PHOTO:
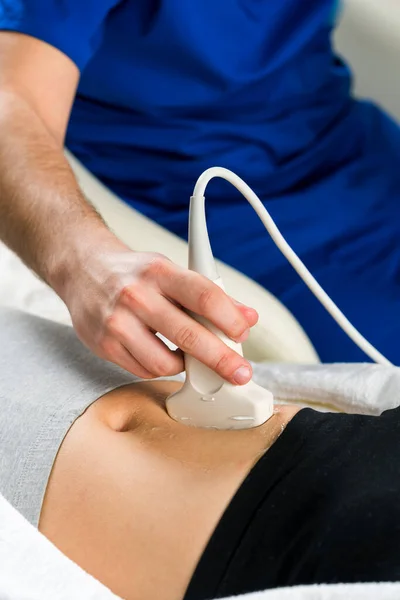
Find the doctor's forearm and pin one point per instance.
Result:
(44, 216)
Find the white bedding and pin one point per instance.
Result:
(20, 288)
(32, 569)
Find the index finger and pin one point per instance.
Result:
(203, 297)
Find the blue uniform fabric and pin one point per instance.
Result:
(170, 87)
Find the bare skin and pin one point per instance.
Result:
(134, 496)
(117, 298)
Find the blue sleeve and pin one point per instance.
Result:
(72, 26)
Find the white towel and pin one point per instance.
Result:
(359, 388)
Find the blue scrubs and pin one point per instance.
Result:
(171, 87)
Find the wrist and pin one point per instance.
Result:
(75, 253)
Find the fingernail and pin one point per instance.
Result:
(244, 336)
(237, 303)
(242, 375)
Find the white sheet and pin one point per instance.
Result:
(20, 288)
(32, 569)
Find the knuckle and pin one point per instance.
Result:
(160, 369)
(187, 338)
(112, 324)
(223, 363)
(206, 298)
(157, 265)
(163, 364)
(134, 296)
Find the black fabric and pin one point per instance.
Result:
(321, 506)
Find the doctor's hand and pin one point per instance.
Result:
(118, 299)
